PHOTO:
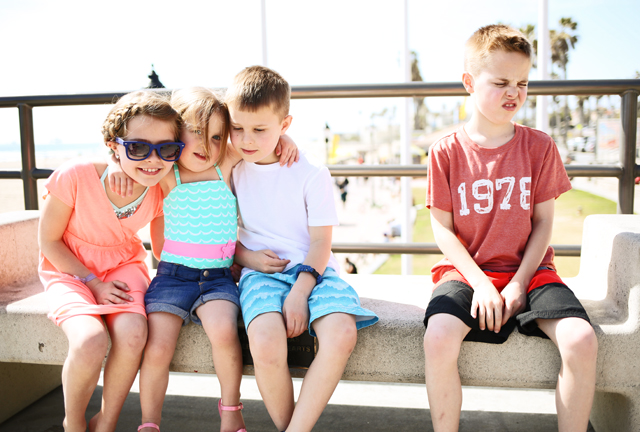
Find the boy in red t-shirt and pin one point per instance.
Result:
(491, 190)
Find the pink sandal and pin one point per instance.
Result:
(146, 425)
(228, 408)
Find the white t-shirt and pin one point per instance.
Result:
(277, 205)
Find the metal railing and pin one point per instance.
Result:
(625, 171)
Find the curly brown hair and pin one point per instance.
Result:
(143, 102)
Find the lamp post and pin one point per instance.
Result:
(327, 138)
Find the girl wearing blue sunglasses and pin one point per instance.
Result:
(92, 261)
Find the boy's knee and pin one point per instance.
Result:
(440, 344)
(342, 341)
(268, 349)
(581, 343)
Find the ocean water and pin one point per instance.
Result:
(11, 152)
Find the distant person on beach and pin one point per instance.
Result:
(343, 187)
(351, 267)
(194, 281)
(491, 188)
(288, 214)
(92, 261)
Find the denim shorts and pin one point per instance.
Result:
(261, 293)
(180, 290)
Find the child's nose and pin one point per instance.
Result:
(512, 91)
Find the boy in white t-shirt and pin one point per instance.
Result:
(290, 281)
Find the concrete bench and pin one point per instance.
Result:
(32, 348)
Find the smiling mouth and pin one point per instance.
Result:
(150, 171)
(200, 156)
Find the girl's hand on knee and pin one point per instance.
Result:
(113, 292)
(295, 311)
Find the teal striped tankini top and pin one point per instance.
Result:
(200, 224)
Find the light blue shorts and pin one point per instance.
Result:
(261, 293)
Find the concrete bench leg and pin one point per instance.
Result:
(616, 412)
(22, 384)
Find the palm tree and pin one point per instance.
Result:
(529, 31)
(420, 109)
(561, 42)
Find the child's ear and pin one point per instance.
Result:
(112, 145)
(285, 124)
(467, 82)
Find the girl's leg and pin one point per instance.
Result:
(268, 342)
(220, 322)
(128, 333)
(337, 336)
(88, 344)
(442, 342)
(154, 373)
(578, 348)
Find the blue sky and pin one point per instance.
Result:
(85, 47)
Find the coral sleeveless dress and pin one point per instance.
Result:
(109, 247)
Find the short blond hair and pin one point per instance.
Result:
(196, 106)
(489, 39)
(256, 87)
(137, 103)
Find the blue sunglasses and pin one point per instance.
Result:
(137, 151)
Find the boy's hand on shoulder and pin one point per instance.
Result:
(515, 300)
(119, 182)
(107, 293)
(487, 305)
(266, 261)
(295, 311)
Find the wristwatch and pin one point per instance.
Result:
(309, 269)
(86, 279)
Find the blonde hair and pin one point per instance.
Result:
(256, 87)
(486, 40)
(138, 103)
(196, 106)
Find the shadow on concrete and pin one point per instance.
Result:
(200, 414)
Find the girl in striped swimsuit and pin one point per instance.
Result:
(194, 281)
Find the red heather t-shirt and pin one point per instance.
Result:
(491, 193)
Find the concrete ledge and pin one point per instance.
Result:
(391, 351)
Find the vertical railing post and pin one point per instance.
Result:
(27, 144)
(629, 117)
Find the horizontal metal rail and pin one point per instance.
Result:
(413, 89)
(625, 171)
(424, 248)
(416, 248)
